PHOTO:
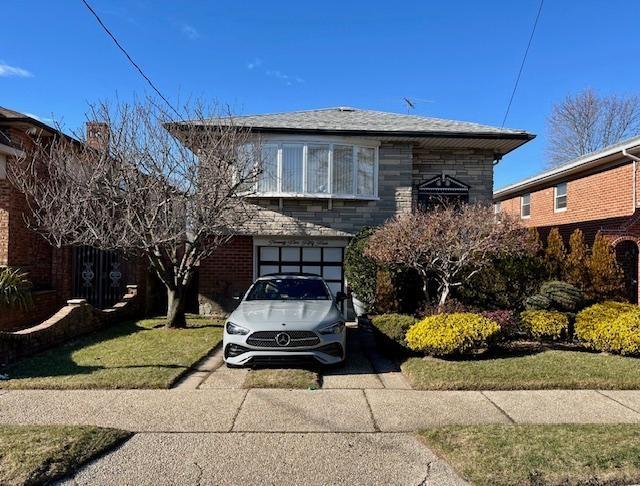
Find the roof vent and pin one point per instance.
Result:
(346, 108)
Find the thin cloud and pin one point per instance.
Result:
(256, 63)
(287, 79)
(7, 71)
(190, 31)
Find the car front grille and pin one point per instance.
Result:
(296, 339)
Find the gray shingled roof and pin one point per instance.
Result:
(346, 119)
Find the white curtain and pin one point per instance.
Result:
(269, 177)
(318, 168)
(292, 168)
(366, 169)
(342, 169)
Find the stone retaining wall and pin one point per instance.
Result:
(75, 319)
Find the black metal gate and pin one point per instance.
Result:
(99, 276)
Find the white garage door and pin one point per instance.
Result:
(325, 261)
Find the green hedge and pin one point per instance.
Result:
(391, 330)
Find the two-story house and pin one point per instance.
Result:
(328, 173)
(596, 192)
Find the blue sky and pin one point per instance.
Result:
(460, 57)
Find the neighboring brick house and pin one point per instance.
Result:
(330, 172)
(596, 192)
(56, 274)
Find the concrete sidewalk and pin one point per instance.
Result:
(339, 410)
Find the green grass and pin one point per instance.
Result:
(540, 370)
(282, 378)
(38, 455)
(540, 454)
(139, 354)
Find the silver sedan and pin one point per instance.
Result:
(286, 317)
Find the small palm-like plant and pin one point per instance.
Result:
(15, 289)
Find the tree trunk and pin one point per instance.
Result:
(443, 295)
(176, 308)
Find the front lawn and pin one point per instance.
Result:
(533, 369)
(38, 455)
(138, 354)
(540, 454)
(282, 378)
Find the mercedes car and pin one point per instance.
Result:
(286, 317)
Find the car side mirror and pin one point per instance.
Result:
(340, 296)
(237, 296)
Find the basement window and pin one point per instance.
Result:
(560, 197)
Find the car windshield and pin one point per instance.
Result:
(289, 289)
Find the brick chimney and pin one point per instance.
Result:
(97, 135)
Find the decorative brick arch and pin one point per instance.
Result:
(622, 238)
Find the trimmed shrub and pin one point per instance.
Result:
(360, 270)
(537, 302)
(544, 324)
(448, 334)
(589, 319)
(394, 326)
(451, 306)
(620, 336)
(506, 319)
(562, 295)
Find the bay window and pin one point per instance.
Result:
(318, 170)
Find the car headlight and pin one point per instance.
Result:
(235, 329)
(335, 328)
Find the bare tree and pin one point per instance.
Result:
(168, 193)
(449, 244)
(587, 122)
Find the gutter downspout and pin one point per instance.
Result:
(635, 173)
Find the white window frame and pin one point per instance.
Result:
(497, 207)
(522, 205)
(330, 143)
(556, 209)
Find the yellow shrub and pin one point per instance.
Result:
(620, 335)
(445, 334)
(544, 324)
(587, 320)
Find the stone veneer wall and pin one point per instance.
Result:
(401, 167)
(75, 319)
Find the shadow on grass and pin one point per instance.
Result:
(60, 362)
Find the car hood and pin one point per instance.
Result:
(262, 315)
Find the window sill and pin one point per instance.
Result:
(287, 195)
(559, 210)
(525, 217)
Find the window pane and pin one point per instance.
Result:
(342, 182)
(561, 189)
(269, 254)
(267, 269)
(335, 287)
(332, 273)
(269, 177)
(526, 199)
(291, 268)
(366, 164)
(312, 269)
(292, 168)
(333, 254)
(318, 168)
(291, 254)
(561, 202)
(311, 254)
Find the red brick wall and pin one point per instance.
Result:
(603, 196)
(227, 272)
(45, 304)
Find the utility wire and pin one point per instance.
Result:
(524, 58)
(135, 65)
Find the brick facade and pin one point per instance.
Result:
(226, 273)
(598, 200)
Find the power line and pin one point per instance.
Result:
(524, 58)
(124, 51)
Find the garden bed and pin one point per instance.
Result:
(540, 454)
(522, 366)
(135, 354)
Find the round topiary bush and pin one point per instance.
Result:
(562, 295)
(544, 324)
(589, 320)
(537, 302)
(448, 334)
